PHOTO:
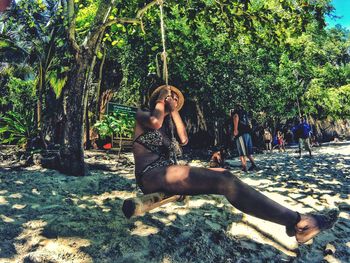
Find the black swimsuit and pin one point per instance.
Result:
(157, 143)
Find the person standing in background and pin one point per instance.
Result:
(267, 137)
(302, 133)
(280, 141)
(242, 129)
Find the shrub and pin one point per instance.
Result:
(16, 128)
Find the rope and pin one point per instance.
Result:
(157, 65)
(165, 67)
(164, 54)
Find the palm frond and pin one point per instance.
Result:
(10, 51)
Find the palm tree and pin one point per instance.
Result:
(32, 34)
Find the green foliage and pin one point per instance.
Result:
(85, 16)
(36, 30)
(18, 95)
(262, 54)
(57, 83)
(16, 128)
(18, 98)
(266, 55)
(11, 51)
(118, 123)
(331, 102)
(133, 80)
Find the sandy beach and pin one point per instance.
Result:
(46, 216)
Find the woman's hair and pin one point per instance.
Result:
(152, 103)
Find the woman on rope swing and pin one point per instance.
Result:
(156, 170)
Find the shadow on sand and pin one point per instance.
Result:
(48, 216)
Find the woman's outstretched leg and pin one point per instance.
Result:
(187, 180)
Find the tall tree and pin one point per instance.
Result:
(84, 59)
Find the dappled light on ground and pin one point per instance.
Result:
(31, 246)
(143, 230)
(260, 231)
(45, 215)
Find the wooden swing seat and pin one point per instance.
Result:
(137, 206)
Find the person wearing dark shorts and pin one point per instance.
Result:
(302, 133)
(241, 132)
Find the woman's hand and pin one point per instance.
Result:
(170, 104)
(164, 93)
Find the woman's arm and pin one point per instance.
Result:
(180, 127)
(154, 120)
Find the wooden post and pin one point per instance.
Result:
(140, 205)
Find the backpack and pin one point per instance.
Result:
(267, 136)
(306, 129)
(244, 124)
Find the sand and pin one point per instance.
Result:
(46, 216)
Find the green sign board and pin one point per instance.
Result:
(118, 108)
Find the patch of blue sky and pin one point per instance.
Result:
(342, 10)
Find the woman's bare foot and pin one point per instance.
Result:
(310, 225)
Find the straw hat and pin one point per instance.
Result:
(181, 101)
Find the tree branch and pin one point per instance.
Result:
(102, 28)
(101, 23)
(71, 25)
(121, 20)
(140, 13)
(137, 20)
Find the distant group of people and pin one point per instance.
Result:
(242, 130)
(302, 133)
(278, 141)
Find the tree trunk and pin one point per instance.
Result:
(98, 91)
(87, 130)
(72, 155)
(75, 100)
(54, 118)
